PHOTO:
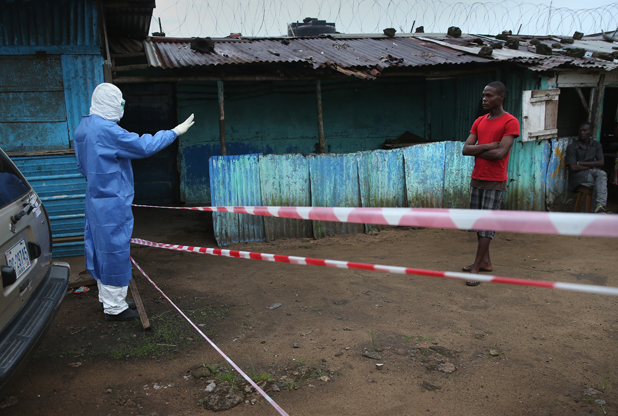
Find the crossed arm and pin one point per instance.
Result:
(489, 151)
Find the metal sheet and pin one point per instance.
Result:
(34, 136)
(62, 190)
(345, 53)
(334, 183)
(424, 168)
(527, 170)
(457, 171)
(80, 74)
(57, 26)
(29, 73)
(234, 180)
(381, 180)
(32, 104)
(284, 181)
(557, 195)
(19, 107)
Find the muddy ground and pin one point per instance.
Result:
(446, 349)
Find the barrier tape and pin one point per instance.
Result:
(576, 287)
(246, 377)
(561, 223)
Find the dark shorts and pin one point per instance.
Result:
(485, 199)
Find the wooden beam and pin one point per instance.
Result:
(130, 67)
(128, 55)
(139, 305)
(321, 138)
(220, 96)
(583, 100)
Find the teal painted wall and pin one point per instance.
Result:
(281, 118)
(453, 104)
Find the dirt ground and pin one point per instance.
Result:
(446, 349)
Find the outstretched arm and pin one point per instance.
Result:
(472, 149)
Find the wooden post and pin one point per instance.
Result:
(221, 118)
(139, 305)
(321, 138)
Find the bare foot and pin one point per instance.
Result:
(483, 268)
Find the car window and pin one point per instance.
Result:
(12, 186)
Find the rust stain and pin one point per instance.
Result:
(562, 163)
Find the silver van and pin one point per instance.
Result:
(32, 285)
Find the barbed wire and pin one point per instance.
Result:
(217, 18)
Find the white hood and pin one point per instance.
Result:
(107, 102)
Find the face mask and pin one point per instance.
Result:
(122, 105)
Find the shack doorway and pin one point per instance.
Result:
(609, 140)
(151, 107)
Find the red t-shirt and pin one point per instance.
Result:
(490, 130)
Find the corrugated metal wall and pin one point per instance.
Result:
(424, 169)
(281, 118)
(43, 97)
(81, 74)
(284, 181)
(55, 26)
(334, 183)
(453, 104)
(436, 175)
(457, 171)
(382, 180)
(236, 181)
(62, 190)
(527, 170)
(557, 196)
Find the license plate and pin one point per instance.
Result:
(17, 257)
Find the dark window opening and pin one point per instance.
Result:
(12, 184)
(571, 111)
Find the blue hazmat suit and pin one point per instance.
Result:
(104, 151)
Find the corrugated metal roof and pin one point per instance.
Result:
(43, 23)
(526, 53)
(317, 52)
(368, 54)
(128, 18)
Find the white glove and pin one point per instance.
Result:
(183, 127)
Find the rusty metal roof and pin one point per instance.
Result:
(341, 54)
(128, 18)
(526, 54)
(366, 56)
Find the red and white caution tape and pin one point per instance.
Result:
(593, 225)
(246, 377)
(576, 287)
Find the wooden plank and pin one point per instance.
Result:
(139, 305)
(551, 115)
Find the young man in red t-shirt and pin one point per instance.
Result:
(490, 141)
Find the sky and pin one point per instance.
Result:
(219, 18)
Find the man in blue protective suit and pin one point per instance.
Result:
(104, 151)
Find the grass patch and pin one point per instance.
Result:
(422, 338)
(604, 382)
(169, 332)
(373, 338)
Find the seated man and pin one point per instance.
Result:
(584, 158)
